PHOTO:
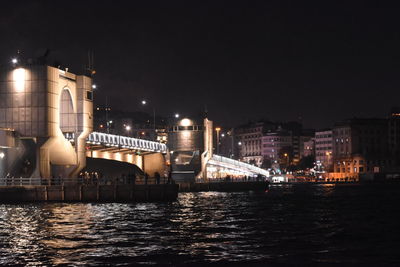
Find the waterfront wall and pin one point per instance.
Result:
(89, 193)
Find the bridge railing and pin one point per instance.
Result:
(113, 140)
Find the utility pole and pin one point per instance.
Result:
(154, 124)
(107, 123)
(232, 143)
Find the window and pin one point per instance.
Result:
(89, 95)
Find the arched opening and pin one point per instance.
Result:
(68, 120)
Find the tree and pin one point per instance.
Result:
(285, 156)
(266, 163)
(306, 162)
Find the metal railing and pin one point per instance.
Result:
(237, 165)
(112, 140)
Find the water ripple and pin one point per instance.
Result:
(288, 225)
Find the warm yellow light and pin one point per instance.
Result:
(185, 122)
(19, 79)
(285, 154)
(218, 129)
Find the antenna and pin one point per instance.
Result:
(90, 67)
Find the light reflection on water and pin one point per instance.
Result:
(289, 225)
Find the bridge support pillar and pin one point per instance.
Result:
(153, 163)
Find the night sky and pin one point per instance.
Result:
(278, 60)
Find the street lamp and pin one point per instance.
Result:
(14, 61)
(144, 102)
(176, 115)
(217, 130)
(287, 160)
(128, 129)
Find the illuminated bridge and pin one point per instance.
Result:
(147, 155)
(218, 166)
(52, 136)
(117, 143)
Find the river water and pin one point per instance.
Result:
(289, 225)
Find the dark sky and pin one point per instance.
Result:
(322, 61)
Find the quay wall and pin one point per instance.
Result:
(89, 193)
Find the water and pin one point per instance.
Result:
(294, 225)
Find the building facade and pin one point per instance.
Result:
(249, 140)
(309, 148)
(324, 149)
(361, 146)
(276, 144)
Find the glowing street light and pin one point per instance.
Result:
(218, 129)
(176, 115)
(144, 102)
(14, 61)
(128, 128)
(94, 86)
(287, 159)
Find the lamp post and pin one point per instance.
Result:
(287, 160)
(144, 102)
(218, 129)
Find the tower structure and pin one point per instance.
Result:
(41, 104)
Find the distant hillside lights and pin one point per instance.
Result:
(19, 76)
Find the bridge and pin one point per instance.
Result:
(101, 145)
(46, 130)
(97, 141)
(220, 167)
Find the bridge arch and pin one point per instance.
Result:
(68, 117)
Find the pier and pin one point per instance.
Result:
(68, 191)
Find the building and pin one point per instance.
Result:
(394, 135)
(361, 146)
(323, 149)
(275, 145)
(308, 148)
(249, 139)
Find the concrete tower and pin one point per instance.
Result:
(41, 104)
